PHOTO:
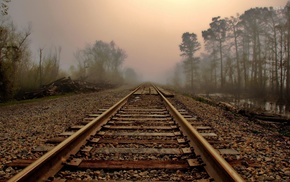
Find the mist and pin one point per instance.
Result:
(148, 31)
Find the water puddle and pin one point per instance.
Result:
(253, 104)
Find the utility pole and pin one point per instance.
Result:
(40, 66)
(86, 66)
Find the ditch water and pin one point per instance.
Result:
(263, 106)
(253, 104)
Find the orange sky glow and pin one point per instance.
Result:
(148, 30)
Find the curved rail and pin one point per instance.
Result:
(51, 162)
(216, 166)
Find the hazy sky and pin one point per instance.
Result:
(148, 30)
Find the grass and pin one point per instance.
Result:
(15, 102)
(286, 134)
(285, 130)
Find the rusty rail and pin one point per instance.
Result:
(51, 162)
(217, 167)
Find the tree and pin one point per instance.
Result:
(131, 76)
(101, 62)
(255, 26)
(49, 68)
(253, 50)
(210, 46)
(217, 35)
(287, 13)
(178, 75)
(232, 23)
(208, 71)
(13, 52)
(117, 58)
(188, 48)
(218, 27)
(4, 7)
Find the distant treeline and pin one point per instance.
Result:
(248, 53)
(98, 63)
(102, 63)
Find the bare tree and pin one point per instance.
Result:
(13, 52)
(4, 7)
(101, 62)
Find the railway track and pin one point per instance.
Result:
(142, 137)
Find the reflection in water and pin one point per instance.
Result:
(264, 106)
(257, 105)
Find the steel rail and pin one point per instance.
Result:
(217, 167)
(51, 162)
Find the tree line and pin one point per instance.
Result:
(99, 62)
(19, 72)
(247, 53)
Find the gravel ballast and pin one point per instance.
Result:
(26, 126)
(264, 153)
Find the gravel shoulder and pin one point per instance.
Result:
(26, 126)
(264, 153)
